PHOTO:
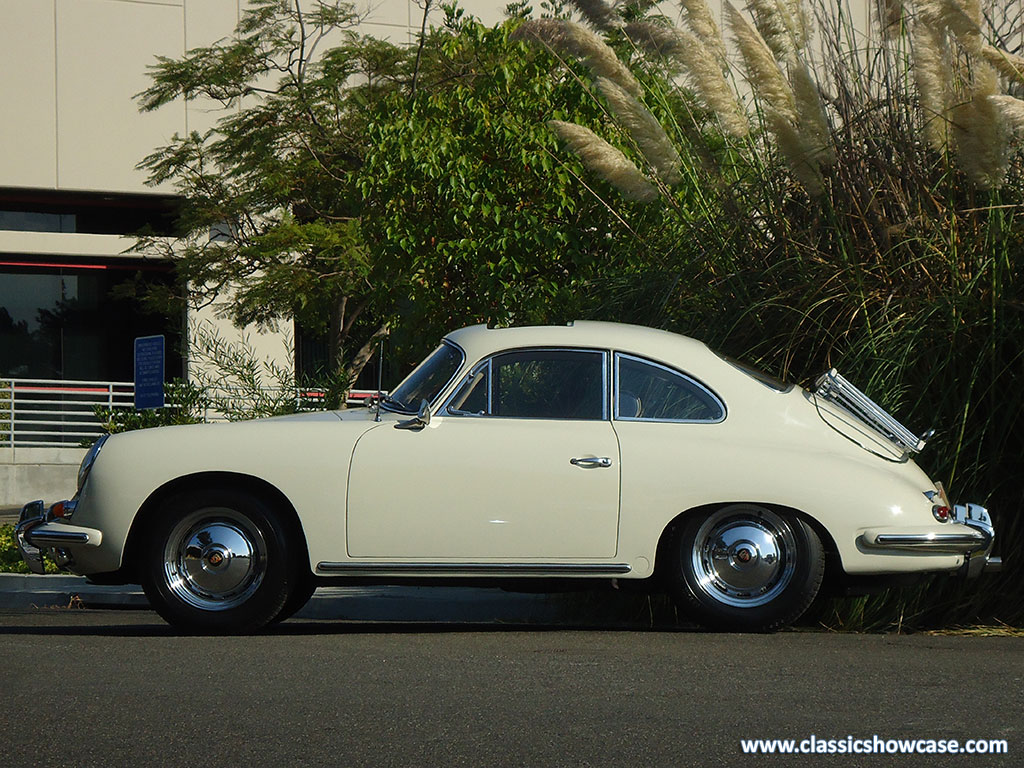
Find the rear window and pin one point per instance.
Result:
(758, 375)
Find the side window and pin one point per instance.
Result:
(536, 383)
(647, 391)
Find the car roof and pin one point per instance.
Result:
(479, 341)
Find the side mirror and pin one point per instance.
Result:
(419, 421)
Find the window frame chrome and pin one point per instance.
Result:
(487, 362)
(618, 355)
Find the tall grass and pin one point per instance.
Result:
(871, 220)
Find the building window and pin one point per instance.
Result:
(67, 321)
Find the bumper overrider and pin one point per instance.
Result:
(970, 534)
(41, 529)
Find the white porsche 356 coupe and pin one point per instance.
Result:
(514, 456)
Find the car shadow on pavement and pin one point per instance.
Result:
(120, 623)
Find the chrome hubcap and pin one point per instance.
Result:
(214, 559)
(743, 556)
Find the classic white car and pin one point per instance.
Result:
(523, 456)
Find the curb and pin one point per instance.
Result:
(19, 591)
(377, 604)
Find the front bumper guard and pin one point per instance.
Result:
(973, 537)
(39, 529)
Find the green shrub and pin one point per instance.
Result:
(10, 558)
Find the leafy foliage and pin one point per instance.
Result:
(185, 403)
(353, 182)
(10, 558)
(465, 186)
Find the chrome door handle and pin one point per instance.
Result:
(603, 461)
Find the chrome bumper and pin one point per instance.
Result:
(972, 537)
(39, 529)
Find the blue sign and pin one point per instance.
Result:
(149, 372)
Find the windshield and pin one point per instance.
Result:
(427, 380)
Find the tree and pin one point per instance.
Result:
(352, 182)
(269, 207)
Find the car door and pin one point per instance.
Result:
(520, 464)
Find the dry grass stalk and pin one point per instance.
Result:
(599, 14)
(889, 15)
(813, 123)
(980, 131)
(1008, 65)
(644, 129)
(699, 18)
(782, 24)
(801, 155)
(762, 72)
(571, 39)
(606, 161)
(701, 68)
(1011, 109)
(933, 75)
(963, 19)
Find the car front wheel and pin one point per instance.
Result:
(218, 561)
(746, 568)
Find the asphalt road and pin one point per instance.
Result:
(102, 688)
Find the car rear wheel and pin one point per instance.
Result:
(746, 568)
(218, 561)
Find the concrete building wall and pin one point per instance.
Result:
(70, 121)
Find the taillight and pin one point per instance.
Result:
(941, 513)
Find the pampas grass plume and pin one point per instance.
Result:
(980, 131)
(801, 154)
(933, 75)
(813, 123)
(701, 68)
(1012, 110)
(1008, 65)
(572, 39)
(606, 161)
(782, 24)
(763, 72)
(644, 129)
(599, 14)
(698, 16)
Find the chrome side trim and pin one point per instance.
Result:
(474, 569)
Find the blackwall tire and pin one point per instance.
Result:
(218, 561)
(746, 568)
(304, 589)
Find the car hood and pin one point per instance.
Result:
(346, 414)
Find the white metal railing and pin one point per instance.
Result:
(45, 413)
(49, 413)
